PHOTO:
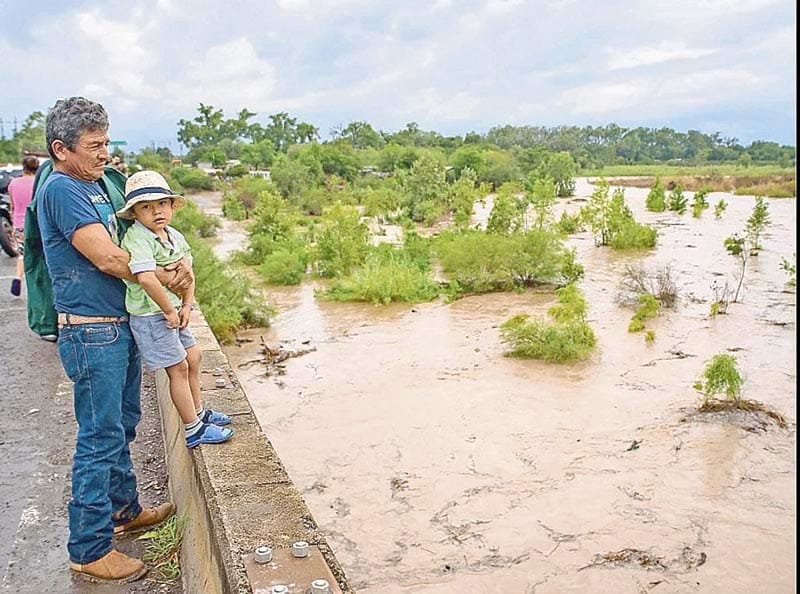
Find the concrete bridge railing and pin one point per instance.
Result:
(237, 497)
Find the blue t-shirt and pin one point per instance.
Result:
(66, 204)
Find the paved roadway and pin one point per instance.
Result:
(37, 439)
(36, 442)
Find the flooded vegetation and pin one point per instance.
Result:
(437, 464)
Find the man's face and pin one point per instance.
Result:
(87, 159)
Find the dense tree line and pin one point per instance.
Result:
(503, 153)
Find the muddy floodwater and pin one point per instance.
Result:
(436, 465)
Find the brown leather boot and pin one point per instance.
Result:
(113, 568)
(148, 518)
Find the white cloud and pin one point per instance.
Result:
(657, 94)
(433, 105)
(501, 6)
(462, 64)
(619, 59)
(230, 76)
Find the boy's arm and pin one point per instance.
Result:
(152, 286)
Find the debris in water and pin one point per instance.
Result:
(273, 358)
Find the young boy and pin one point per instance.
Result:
(158, 317)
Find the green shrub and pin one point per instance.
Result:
(757, 223)
(656, 200)
(233, 209)
(190, 220)
(719, 208)
(386, 276)
(700, 203)
(342, 242)
(650, 336)
(237, 170)
(193, 179)
(227, 299)
(677, 201)
(790, 268)
(569, 224)
(243, 197)
(612, 222)
(648, 308)
(720, 377)
(284, 267)
(479, 262)
(633, 235)
(567, 338)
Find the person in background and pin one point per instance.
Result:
(21, 191)
(119, 164)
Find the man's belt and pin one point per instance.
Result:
(68, 319)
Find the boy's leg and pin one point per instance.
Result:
(193, 358)
(180, 391)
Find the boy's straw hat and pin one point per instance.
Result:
(143, 186)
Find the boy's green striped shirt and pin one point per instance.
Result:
(147, 251)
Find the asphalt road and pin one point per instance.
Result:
(37, 440)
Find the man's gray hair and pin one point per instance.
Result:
(72, 117)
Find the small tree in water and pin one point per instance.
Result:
(757, 224)
(656, 200)
(720, 378)
(719, 208)
(677, 201)
(700, 203)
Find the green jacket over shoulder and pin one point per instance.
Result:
(42, 317)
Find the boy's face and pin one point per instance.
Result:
(154, 214)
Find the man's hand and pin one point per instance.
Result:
(173, 321)
(183, 277)
(184, 314)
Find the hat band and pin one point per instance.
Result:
(149, 190)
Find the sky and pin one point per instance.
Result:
(727, 66)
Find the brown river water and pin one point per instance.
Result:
(436, 465)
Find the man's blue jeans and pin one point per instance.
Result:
(104, 364)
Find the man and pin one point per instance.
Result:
(80, 237)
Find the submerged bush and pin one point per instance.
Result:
(677, 201)
(700, 203)
(386, 276)
(479, 262)
(719, 208)
(190, 220)
(567, 338)
(227, 299)
(284, 266)
(612, 222)
(720, 377)
(648, 308)
(342, 242)
(656, 199)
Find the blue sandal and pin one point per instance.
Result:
(215, 417)
(209, 434)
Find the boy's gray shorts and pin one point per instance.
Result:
(160, 346)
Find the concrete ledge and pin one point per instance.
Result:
(235, 497)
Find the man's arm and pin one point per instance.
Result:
(153, 288)
(186, 307)
(95, 244)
